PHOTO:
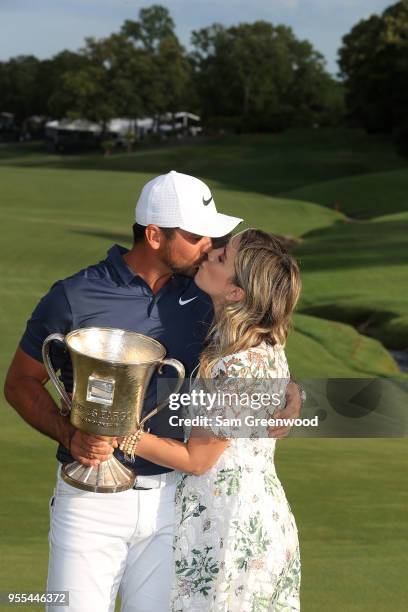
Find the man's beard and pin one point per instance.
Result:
(190, 271)
(182, 270)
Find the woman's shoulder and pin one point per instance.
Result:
(258, 360)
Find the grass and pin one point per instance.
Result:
(320, 348)
(356, 273)
(59, 213)
(350, 513)
(271, 164)
(360, 197)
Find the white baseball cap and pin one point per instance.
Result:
(180, 200)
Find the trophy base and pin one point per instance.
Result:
(109, 477)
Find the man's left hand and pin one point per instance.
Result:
(291, 411)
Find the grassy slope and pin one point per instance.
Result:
(356, 273)
(269, 164)
(360, 196)
(320, 348)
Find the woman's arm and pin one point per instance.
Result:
(196, 457)
(203, 449)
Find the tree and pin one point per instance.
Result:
(50, 79)
(110, 82)
(259, 73)
(19, 91)
(141, 70)
(170, 85)
(154, 25)
(374, 65)
(27, 85)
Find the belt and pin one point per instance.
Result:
(156, 481)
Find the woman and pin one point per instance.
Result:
(236, 545)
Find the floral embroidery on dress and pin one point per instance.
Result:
(251, 542)
(229, 479)
(197, 572)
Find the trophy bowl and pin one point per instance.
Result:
(112, 369)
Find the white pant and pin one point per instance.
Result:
(102, 541)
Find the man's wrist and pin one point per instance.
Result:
(67, 433)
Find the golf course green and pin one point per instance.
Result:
(340, 197)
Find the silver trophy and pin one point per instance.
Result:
(112, 369)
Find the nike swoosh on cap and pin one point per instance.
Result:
(182, 302)
(206, 202)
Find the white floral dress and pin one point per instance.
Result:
(236, 544)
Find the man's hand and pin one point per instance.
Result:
(291, 411)
(90, 450)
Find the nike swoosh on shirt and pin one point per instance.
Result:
(182, 302)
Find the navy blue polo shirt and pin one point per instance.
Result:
(110, 294)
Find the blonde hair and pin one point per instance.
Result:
(270, 277)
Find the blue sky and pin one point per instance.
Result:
(44, 27)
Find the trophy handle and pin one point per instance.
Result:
(181, 374)
(51, 372)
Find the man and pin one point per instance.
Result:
(99, 542)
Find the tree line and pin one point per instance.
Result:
(253, 76)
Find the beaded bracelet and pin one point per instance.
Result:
(129, 443)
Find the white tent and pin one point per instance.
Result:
(72, 125)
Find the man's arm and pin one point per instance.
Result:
(25, 390)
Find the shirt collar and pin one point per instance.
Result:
(115, 258)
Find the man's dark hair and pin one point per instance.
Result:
(139, 232)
